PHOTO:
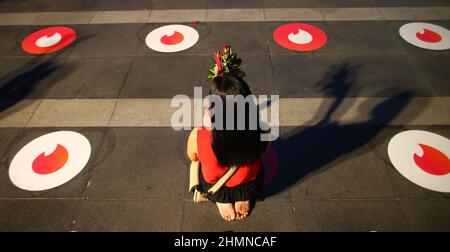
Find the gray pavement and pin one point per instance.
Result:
(331, 178)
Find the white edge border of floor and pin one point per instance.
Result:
(226, 15)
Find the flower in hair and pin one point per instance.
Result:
(226, 63)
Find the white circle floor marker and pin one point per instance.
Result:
(425, 35)
(50, 161)
(172, 38)
(423, 158)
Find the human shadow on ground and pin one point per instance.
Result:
(308, 149)
(24, 82)
(35, 76)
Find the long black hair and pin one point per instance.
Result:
(235, 146)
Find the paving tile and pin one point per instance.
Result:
(259, 74)
(120, 5)
(206, 218)
(178, 4)
(423, 111)
(427, 215)
(341, 165)
(162, 77)
(12, 36)
(290, 4)
(384, 76)
(51, 113)
(70, 5)
(405, 188)
(105, 17)
(16, 113)
(128, 112)
(224, 33)
(231, 15)
(445, 101)
(342, 14)
(344, 4)
(106, 40)
(396, 3)
(23, 6)
(346, 76)
(290, 81)
(166, 16)
(410, 111)
(30, 78)
(431, 69)
(361, 110)
(317, 4)
(126, 216)
(293, 14)
(91, 78)
(359, 174)
(139, 166)
(102, 143)
(304, 111)
(420, 111)
(33, 215)
(8, 135)
(232, 4)
(18, 18)
(414, 13)
(364, 37)
(54, 18)
(349, 216)
(275, 49)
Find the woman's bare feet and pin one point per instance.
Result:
(242, 208)
(227, 211)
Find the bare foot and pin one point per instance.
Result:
(227, 211)
(242, 208)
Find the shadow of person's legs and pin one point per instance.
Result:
(306, 150)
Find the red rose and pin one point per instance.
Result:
(218, 62)
(225, 49)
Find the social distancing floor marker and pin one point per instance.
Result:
(50, 160)
(425, 35)
(49, 40)
(172, 38)
(423, 158)
(300, 37)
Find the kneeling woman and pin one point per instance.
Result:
(218, 149)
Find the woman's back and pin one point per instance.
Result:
(211, 168)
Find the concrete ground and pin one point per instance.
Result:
(109, 86)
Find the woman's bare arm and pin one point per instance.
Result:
(192, 146)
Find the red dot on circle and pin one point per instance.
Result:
(282, 33)
(46, 164)
(67, 35)
(432, 161)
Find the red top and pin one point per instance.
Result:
(212, 170)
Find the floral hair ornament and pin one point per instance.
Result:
(226, 63)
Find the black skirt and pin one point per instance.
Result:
(249, 191)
